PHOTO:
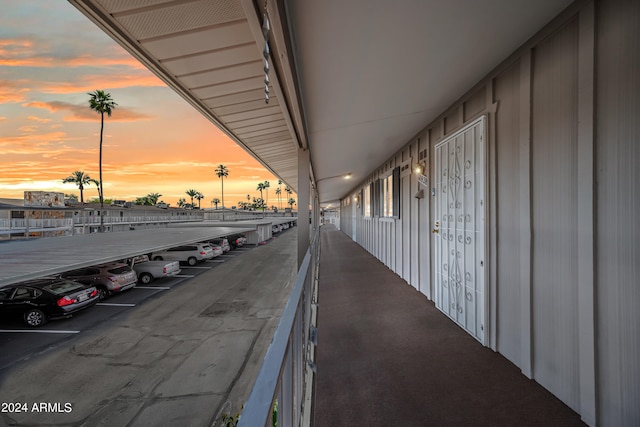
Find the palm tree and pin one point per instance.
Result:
(288, 190)
(292, 202)
(181, 202)
(266, 188)
(80, 179)
(97, 183)
(153, 197)
(278, 192)
(260, 188)
(191, 193)
(215, 202)
(222, 172)
(199, 196)
(101, 102)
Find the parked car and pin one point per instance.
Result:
(109, 278)
(217, 250)
(147, 270)
(236, 240)
(222, 242)
(191, 254)
(37, 301)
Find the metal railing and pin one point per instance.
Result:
(27, 226)
(286, 377)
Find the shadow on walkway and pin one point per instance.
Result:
(387, 357)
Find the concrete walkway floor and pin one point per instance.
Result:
(176, 360)
(387, 357)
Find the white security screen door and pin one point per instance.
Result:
(459, 228)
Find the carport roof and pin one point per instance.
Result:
(29, 259)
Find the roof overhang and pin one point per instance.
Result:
(353, 81)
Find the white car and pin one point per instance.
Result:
(191, 254)
(217, 250)
(222, 242)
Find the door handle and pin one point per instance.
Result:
(435, 231)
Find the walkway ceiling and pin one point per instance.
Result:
(353, 81)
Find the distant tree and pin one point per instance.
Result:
(101, 102)
(191, 193)
(144, 201)
(266, 189)
(181, 202)
(260, 188)
(278, 192)
(199, 196)
(258, 203)
(216, 201)
(97, 183)
(288, 190)
(80, 179)
(97, 200)
(222, 172)
(153, 197)
(292, 202)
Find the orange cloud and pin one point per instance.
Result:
(38, 119)
(12, 91)
(24, 53)
(90, 83)
(82, 113)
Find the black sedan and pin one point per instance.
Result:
(37, 301)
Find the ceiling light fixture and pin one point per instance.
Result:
(343, 176)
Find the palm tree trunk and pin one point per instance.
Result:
(222, 181)
(101, 197)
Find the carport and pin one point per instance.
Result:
(23, 260)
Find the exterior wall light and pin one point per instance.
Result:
(418, 168)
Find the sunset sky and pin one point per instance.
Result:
(51, 56)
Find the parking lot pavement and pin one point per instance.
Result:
(174, 359)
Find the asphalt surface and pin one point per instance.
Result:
(178, 351)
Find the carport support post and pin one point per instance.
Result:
(304, 184)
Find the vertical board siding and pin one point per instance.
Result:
(506, 92)
(617, 211)
(537, 237)
(424, 227)
(405, 214)
(554, 203)
(475, 104)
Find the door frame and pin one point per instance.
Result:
(484, 257)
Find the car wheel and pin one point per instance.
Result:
(35, 318)
(102, 293)
(192, 261)
(145, 278)
(157, 258)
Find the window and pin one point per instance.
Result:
(366, 200)
(390, 192)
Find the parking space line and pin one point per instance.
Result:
(188, 276)
(161, 288)
(112, 304)
(39, 331)
(202, 268)
(216, 260)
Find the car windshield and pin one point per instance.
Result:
(120, 270)
(63, 287)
